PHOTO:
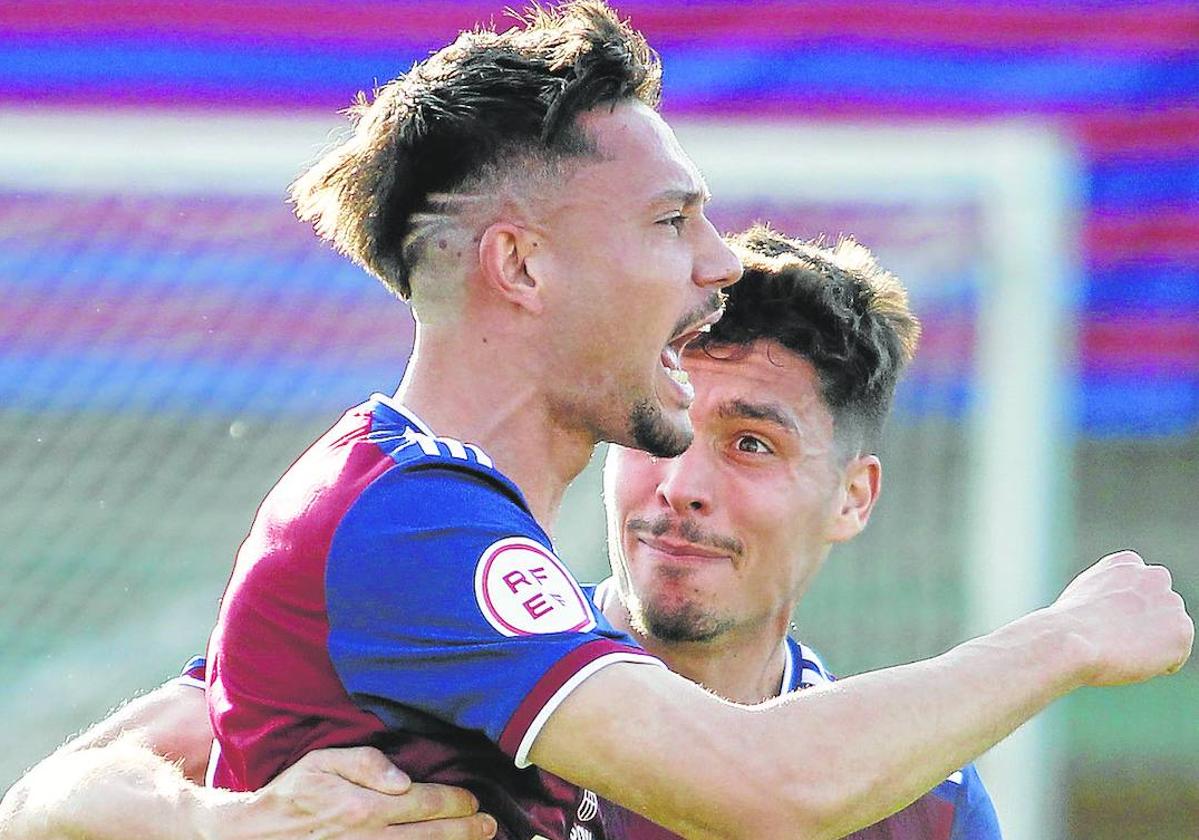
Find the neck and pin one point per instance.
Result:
(744, 665)
(469, 386)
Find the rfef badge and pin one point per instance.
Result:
(523, 590)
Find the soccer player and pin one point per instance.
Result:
(792, 387)
(711, 551)
(399, 588)
(522, 191)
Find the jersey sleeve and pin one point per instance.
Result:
(974, 815)
(445, 598)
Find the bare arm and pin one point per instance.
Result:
(171, 720)
(114, 782)
(827, 761)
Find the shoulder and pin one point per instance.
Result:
(423, 458)
(442, 495)
(437, 517)
(443, 515)
(430, 479)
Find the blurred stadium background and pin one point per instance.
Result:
(170, 338)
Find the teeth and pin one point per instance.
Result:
(680, 376)
(705, 328)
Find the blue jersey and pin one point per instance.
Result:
(395, 591)
(957, 809)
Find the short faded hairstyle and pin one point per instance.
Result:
(832, 305)
(465, 116)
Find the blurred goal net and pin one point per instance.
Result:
(171, 338)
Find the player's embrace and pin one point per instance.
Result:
(399, 587)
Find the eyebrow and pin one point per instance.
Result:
(770, 412)
(682, 196)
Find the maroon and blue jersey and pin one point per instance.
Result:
(959, 808)
(395, 591)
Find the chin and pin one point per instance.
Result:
(661, 433)
(682, 621)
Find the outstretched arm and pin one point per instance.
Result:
(134, 775)
(827, 761)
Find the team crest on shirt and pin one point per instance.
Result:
(524, 590)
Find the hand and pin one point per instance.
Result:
(1133, 624)
(350, 794)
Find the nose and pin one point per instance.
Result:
(684, 483)
(716, 266)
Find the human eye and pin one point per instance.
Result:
(753, 445)
(675, 220)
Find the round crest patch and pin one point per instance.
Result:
(523, 590)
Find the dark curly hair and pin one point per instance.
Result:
(486, 101)
(834, 306)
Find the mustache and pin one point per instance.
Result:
(686, 529)
(714, 303)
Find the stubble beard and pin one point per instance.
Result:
(653, 433)
(687, 622)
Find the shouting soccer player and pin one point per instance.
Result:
(399, 588)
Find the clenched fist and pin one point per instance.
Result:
(1132, 624)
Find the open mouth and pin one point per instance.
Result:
(671, 357)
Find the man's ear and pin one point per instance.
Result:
(859, 491)
(505, 261)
